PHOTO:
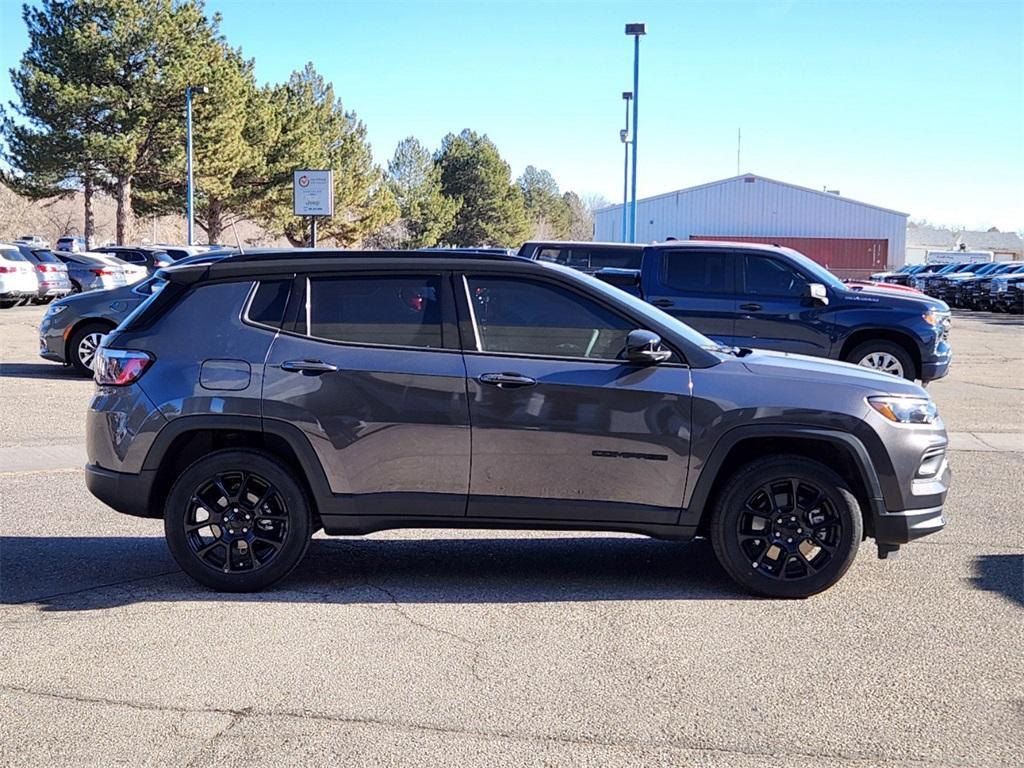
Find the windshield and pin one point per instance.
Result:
(816, 271)
(641, 308)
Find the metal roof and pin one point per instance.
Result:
(732, 179)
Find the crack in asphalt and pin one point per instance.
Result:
(83, 590)
(239, 715)
(476, 645)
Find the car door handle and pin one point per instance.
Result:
(751, 307)
(308, 367)
(506, 380)
(662, 302)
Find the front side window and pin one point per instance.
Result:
(402, 311)
(522, 316)
(692, 271)
(767, 277)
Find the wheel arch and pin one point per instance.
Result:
(904, 340)
(188, 438)
(841, 452)
(71, 330)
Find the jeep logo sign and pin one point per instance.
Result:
(313, 193)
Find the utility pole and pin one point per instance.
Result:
(624, 135)
(739, 136)
(636, 30)
(189, 184)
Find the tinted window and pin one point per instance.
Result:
(393, 310)
(581, 257)
(12, 255)
(268, 303)
(529, 317)
(768, 277)
(698, 271)
(45, 257)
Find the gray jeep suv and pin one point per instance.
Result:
(256, 399)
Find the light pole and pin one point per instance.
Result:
(636, 30)
(189, 187)
(624, 136)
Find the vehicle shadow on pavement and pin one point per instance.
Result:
(90, 573)
(38, 371)
(1003, 574)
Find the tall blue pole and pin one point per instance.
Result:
(625, 179)
(636, 100)
(188, 160)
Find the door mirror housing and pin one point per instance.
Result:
(644, 347)
(817, 293)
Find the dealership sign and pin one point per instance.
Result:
(313, 193)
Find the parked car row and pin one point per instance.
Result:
(506, 392)
(31, 272)
(989, 285)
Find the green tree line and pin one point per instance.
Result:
(100, 110)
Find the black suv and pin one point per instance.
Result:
(769, 297)
(253, 400)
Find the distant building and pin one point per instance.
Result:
(922, 238)
(847, 236)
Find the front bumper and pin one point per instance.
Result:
(907, 525)
(126, 493)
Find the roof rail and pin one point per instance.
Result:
(316, 253)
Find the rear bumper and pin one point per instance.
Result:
(126, 493)
(907, 525)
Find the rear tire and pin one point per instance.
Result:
(237, 521)
(786, 527)
(885, 357)
(82, 346)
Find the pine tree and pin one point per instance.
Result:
(581, 217)
(317, 133)
(492, 210)
(545, 207)
(51, 151)
(415, 180)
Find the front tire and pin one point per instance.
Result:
(237, 521)
(884, 357)
(82, 346)
(786, 527)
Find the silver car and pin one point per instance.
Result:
(89, 272)
(51, 271)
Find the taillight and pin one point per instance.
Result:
(119, 367)
(161, 263)
(102, 272)
(48, 268)
(5, 270)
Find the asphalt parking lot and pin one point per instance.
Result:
(463, 648)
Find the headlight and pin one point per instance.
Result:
(56, 309)
(906, 410)
(934, 317)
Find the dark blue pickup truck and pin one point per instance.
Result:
(769, 297)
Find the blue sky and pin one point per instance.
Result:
(914, 106)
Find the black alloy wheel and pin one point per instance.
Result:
(237, 520)
(786, 527)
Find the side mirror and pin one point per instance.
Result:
(818, 293)
(645, 347)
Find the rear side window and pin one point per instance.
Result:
(268, 302)
(698, 271)
(402, 311)
(11, 255)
